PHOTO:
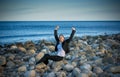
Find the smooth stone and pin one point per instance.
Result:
(56, 66)
(2, 60)
(31, 51)
(85, 66)
(22, 68)
(40, 66)
(76, 72)
(22, 49)
(13, 47)
(83, 75)
(68, 67)
(11, 57)
(109, 60)
(115, 69)
(61, 74)
(31, 73)
(39, 56)
(52, 74)
(10, 64)
(51, 47)
(32, 60)
(97, 70)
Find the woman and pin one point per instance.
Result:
(62, 47)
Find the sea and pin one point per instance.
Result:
(21, 31)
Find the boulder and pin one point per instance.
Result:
(51, 47)
(2, 60)
(39, 56)
(83, 75)
(22, 49)
(61, 74)
(31, 73)
(51, 74)
(10, 64)
(76, 72)
(68, 67)
(85, 66)
(31, 51)
(97, 70)
(22, 69)
(115, 69)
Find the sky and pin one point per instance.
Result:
(59, 10)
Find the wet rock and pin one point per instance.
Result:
(115, 69)
(2, 60)
(68, 67)
(39, 56)
(22, 69)
(97, 70)
(11, 57)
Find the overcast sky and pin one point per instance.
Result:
(59, 10)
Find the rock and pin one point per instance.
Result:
(10, 64)
(13, 47)
(22, 69)
(109, 60)
(97, 70)
(40, 66)
(115, 69)
(68, 67)
(11, 57)
(56, 66)
(61, 74)
(51, 47)
(85, 67)
(52, 74)
(31, 73)
(2, 60)
(83, 75)
(22, 49)
(29, 45)
(39, 56)
(31, 51)
(76, 72)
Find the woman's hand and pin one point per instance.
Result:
(57, 27)
(73, 28)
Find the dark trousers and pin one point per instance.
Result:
(47, 57)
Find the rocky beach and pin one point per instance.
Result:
(90, 56)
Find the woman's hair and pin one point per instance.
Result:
(61, 35)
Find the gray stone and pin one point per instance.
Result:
(22, 69)
(61, 74)
(85, 66)
(2, 60)
(115, 69)
(68, 67)
(52, 74)
(76, 72)
(97, 70)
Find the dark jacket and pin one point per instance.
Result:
(65, 44)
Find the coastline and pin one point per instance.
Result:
(90, 56)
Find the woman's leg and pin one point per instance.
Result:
(47, 57)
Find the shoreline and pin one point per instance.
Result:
(51, 39)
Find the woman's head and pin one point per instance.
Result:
(61, 38)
